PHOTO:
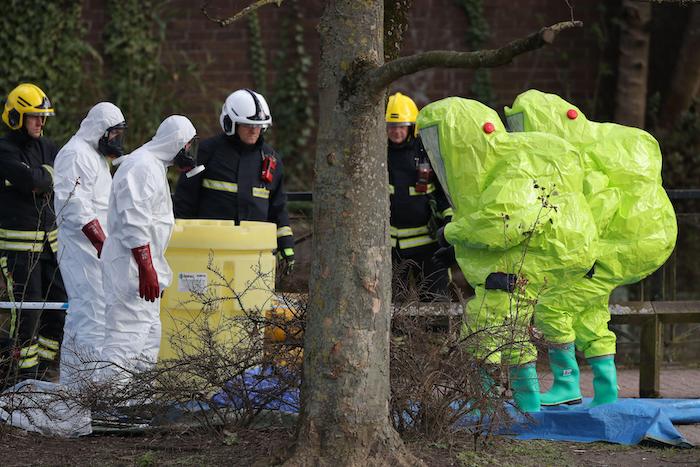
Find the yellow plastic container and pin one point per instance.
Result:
(219, 270)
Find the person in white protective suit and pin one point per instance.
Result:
(82, 181)
(140, 221)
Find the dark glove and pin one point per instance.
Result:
(287, 255)
(440, 237)
(148, 278)
(93, 231)
(444, 257)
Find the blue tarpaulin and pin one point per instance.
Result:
(627, 421)
(261, 388)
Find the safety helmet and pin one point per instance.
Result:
(244, 106)
(25, 99)
(401, 111)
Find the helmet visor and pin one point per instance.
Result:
(254, 125)
(35, 113)
(431, 142)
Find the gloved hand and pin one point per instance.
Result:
(148, 278)
(287, 255)
(440, 237)
(93, 231)
(444, 257)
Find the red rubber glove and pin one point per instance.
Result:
(93, 231)
(148, 278)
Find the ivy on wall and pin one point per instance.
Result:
(395, 26)
(476, 38)
(256, 54)
(289, 99)
(133, 39)
(43, 43)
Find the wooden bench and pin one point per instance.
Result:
(651, 316)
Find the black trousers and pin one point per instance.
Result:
(34, 277)
(415, 277)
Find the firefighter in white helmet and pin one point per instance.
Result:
(244, 178)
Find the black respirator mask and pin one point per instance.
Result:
(186, 159)
(113, 147)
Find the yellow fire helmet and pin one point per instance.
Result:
(401, 110)
(25, 99)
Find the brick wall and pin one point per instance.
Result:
(569, 67)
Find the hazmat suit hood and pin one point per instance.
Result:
(534, 110)
(460, 164)
(101, 117)
(637, 225)
(499, 184)
(172, 135)
(630, 153)
(467, 143)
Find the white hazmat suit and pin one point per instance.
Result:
(82, 182)
(140, 213)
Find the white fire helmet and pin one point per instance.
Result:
(244, 106)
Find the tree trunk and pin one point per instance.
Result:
(633, 64)
(345, 394)
(685, 85)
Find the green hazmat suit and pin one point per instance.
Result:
(519, 208)
(635, 220)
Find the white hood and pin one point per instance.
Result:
(172, 135)
(100, 117)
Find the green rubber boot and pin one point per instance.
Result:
(525, 387)
(604, 380)
(489, 392)
(565, 388)
(488, 384)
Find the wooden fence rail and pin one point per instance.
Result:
(651, 316)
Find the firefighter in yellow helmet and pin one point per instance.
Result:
(28, 242)
(418, 208)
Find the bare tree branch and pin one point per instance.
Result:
(679, 2)
(571, 9)
(381, 77)
(223, 22)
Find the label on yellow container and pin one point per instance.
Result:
(191, 281)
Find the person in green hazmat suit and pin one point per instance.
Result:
(637, 229)
(521, 228)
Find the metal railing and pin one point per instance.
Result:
(675, 194)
